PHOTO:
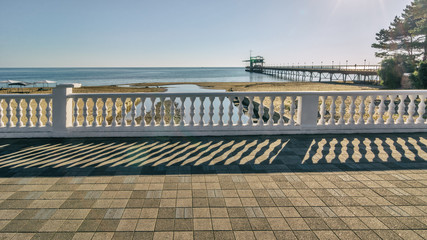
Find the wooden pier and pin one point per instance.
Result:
(356, 73)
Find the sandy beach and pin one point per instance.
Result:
(228, 86)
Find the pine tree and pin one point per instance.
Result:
(406, 35)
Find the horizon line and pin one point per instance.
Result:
(125, 67)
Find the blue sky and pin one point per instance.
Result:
(131, 33)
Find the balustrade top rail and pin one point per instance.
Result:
(238, 94)
(24, 96)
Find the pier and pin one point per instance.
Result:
(357, 73)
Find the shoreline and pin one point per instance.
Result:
(228, 86)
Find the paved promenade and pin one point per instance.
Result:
(265, 187)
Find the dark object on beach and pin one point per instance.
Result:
(18, 84)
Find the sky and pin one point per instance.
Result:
(187, 33)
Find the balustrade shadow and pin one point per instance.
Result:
(211, 155)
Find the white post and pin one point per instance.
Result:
(62, 108)
(308, 111)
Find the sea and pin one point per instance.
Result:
(120, 76)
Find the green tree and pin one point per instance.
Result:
(390, 73)
(406, 35)
(419, 77)
(416, 15)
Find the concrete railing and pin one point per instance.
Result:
(67, 114)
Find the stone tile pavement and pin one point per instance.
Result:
(258, 187)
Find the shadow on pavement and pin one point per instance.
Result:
(194, 155)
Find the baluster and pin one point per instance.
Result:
(401, 110)
(104, 112)
(123, 113)
(9, 114)
(181, 112)
(292, 111)
(221, 111)
(251, 111)
(85, 112)
(361, 119)
(371, 110)
(341, 121)
(192, 108)
(240, 112)
(230, 111)
(172, 111)
(162, 111)
(153, 111)
(261, 111)
(411, 109)
(391, 110)
(76, 112)
(133, 112)
(322, 110)
(421, 110)
(49, 112)
(381, 111)
(332, 111)
(95, 112)
(281, 111)
(29, 114)
(1, 113)
(142, 112)
(211, 99)
(19, 113)
(352, 110)
(271, 111)
(202, 110)
(114, 112)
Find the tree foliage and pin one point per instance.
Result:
(406, 35)
(390, 73)
(419, 77)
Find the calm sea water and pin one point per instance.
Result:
(114, 76)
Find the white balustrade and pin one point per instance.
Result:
(224, 113)
(25, 112)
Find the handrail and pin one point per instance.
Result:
(294, 93)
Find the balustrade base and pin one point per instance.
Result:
(131, 132)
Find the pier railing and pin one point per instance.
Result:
(67, 114)
(355, 67)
